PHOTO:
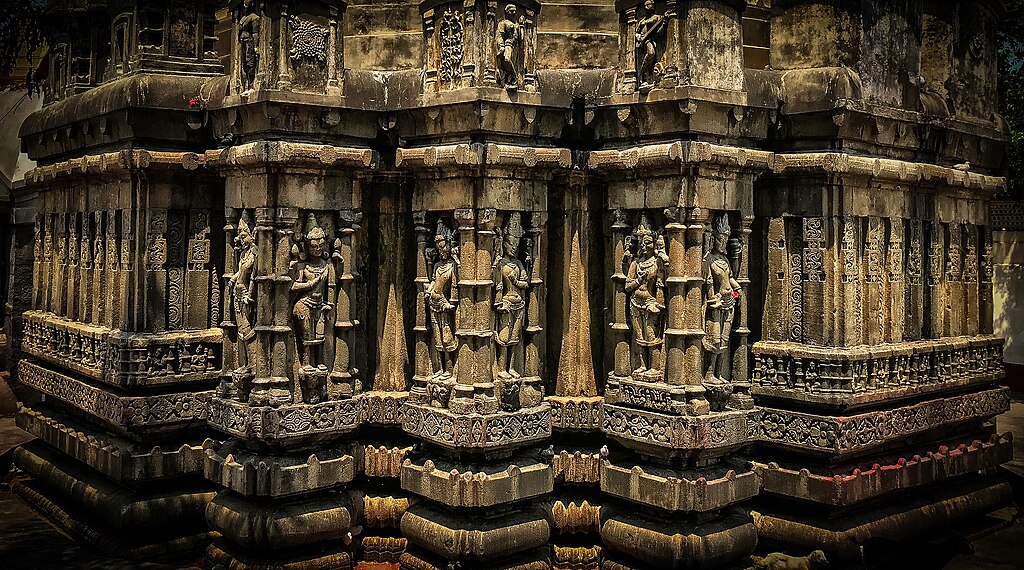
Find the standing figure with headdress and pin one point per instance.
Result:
(509, 43)
(314, 284)
(248, 40)
(647, 31)
(721, 292)
(442, 294)
(511, 282)
(241, 289)
(645, 284)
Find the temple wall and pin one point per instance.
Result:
(514, 284)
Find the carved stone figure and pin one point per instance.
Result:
(249, 43)
(648, 31)
(512, 280)
(313, 286)
(509, 46)
(241, 291)
(442, 294)
(721, 292)
(645, 284)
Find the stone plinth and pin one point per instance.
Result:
(501, 430)
(444, 483)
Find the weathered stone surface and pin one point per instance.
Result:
(562, 268)
(258, 527)
(453, 485)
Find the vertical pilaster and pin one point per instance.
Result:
(620, 329)
(466, 365)
(535, 307)
(971, 305)
(677, 285)
(343, 376)
(422, 366)
(936, 286)
(814, 234)
(740, 357)
(896, 268)
(914, 297)
(776, 310)
(693, 305)
(985, 317)
(954, 307)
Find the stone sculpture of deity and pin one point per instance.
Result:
(442, 294)
(241, 290)
(511, 283)
(721, 293)
(509, 46)
(314, 283)
(648, 31)
(249, 43)
(645, 285)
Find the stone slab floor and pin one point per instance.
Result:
(29, 542)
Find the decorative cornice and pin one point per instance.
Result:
(680, 153)
(293, 154)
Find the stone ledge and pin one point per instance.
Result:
(671, 544)
(857, 377)
(850, 487)
(253, 475)
(842, 537)
(124, 511)
(477, 431)
(478, 539)
(126, 414)
(221, 553)
(285, 424)
(575, 412)
(679, 153)
(118, 459)
(674, 492)
(844, 435)
(448, 484)
(291, 154)
(274, 526)
(383, 407)
(418, 559)
(666, 435)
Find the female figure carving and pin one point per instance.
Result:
(248, 40)
(647, 31)
(721, 292)
(241, 288)
(511, 280)
(509, 47)
(645, 285)
(442, 293)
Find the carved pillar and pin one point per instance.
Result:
(914, 297)
(73, 278)
(534, 331)
(814, 237)
(422, 366)
(936, 286)
(99, 288)
(619, 327)
(274, 228)
(740, 357)
(155, 270)
(677, 285)
(874, 294)
(985, 324)
(198, 286)
(777, 293)
(972, 307)
(896, 268)
(230, 340)
(693, 305)
(467, 365)
(344, 377)
(954, 307)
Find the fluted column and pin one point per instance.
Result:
(676, 285)
(620, 328)
(422, 367)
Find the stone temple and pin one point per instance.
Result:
(510, 284)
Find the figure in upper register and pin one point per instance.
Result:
(645, 284)
(442, 294)
(721, 292)
(647, 32)
(241, 288)
(249, 40)
(509, 47)
(512, 280)
(314, 284)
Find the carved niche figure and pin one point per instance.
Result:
(241, 288)
(645, 285)
(249, 43)
(510, 48)
(442, 294)
(314, 284)
(512, 281)
(721, 292)
(648, 32)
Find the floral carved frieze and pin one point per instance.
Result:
(124, 413)
(284, 423)
(500, 429)
(845, 435)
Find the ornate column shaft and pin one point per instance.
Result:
(422, 367)
(677, 285)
